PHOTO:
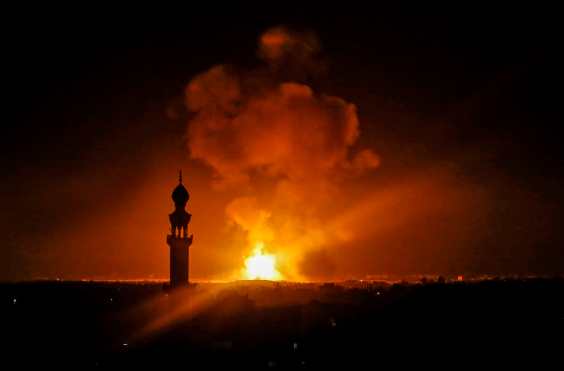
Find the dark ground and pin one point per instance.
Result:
(250, 325)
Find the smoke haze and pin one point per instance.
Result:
(348, 147)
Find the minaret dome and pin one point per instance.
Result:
(180, 195)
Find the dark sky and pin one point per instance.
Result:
(98, 108)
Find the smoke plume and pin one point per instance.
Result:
(284, 147)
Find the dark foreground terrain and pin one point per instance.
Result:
(263, 325)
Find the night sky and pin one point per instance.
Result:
(462, 111)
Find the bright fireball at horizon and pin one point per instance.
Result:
(261, 266)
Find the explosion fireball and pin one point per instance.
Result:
(261, 266)
(280, 149)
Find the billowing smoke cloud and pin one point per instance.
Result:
(284, 145)
(291, 55)
(278, 44)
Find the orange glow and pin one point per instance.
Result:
(261, 266)
(275, 37)
(281, 187)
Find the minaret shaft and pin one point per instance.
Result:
(179, 260)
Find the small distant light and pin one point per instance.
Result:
(111, 299)
(460, 278)
(333, 322)
(377, 292)
(125, 344)
(295, 346)
(14, 300)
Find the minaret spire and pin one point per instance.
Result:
(178, 239)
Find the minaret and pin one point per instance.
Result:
(178, 239)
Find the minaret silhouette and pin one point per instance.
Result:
(178, 239)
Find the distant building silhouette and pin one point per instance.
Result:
(178, 239)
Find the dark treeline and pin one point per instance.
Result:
(283, 326)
